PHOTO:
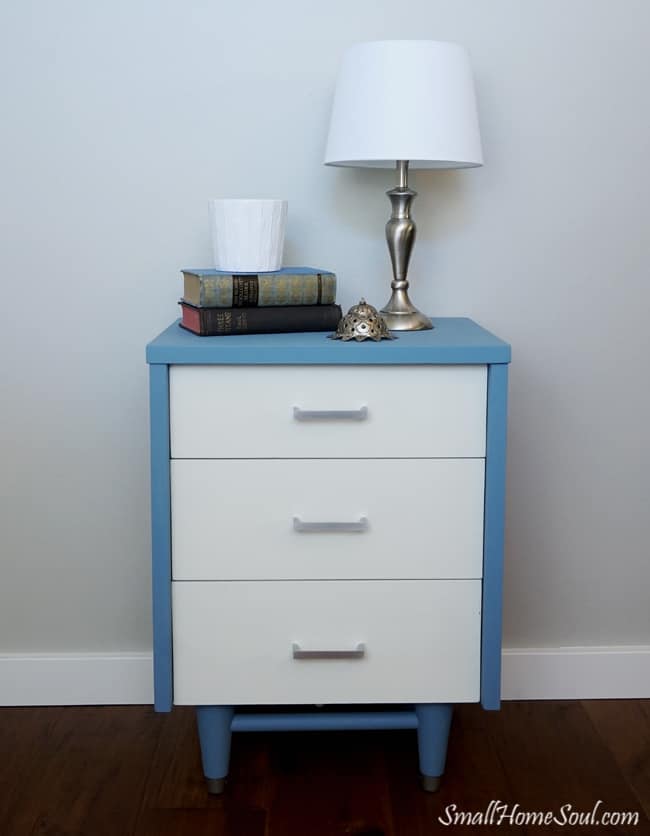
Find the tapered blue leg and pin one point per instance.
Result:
(214, 722)
(434, 720)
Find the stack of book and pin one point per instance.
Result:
(292, 299)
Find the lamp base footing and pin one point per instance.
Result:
(407, 321)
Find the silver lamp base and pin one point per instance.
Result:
(400, 313)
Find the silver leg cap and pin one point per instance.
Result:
(215, 785)
(430, 783)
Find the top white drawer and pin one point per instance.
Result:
(367, 411)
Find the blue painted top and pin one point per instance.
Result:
(453, 340)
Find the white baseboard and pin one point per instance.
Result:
(555, 673)
(576, 673)
(76, 679)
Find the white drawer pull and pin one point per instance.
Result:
(358, 653)
(330, 414)
(319, 527)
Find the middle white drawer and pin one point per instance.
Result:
(329, 519)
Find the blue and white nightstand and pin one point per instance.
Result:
(327, 530)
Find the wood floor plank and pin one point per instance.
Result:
(624, 725)
(553, 756)
(328, 783)
(217, 821)
(176, 790)
(473, 777)
(175, 779)
(27, 744)
(92, 784)
(251, 779)
(125, 771)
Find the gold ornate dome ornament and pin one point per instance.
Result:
(362, 322)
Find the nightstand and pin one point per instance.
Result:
(327, 530)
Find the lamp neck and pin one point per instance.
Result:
(403, 173)
(400, 313)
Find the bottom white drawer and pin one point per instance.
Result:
(236, 642)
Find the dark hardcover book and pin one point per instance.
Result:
(212, 322)
(289, 286)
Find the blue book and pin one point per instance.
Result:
(289, 286)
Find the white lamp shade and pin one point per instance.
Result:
(405, 100)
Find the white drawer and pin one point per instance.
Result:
(397, 411)
(234, 641)
(254, 519)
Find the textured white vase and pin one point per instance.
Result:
(248, 235)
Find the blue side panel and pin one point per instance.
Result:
(161, 536)
(495, 484)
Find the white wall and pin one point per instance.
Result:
(121, 119)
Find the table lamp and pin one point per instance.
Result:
(404, 104)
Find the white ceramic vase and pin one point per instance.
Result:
(248, 235)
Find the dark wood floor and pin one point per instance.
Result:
(116, 771)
